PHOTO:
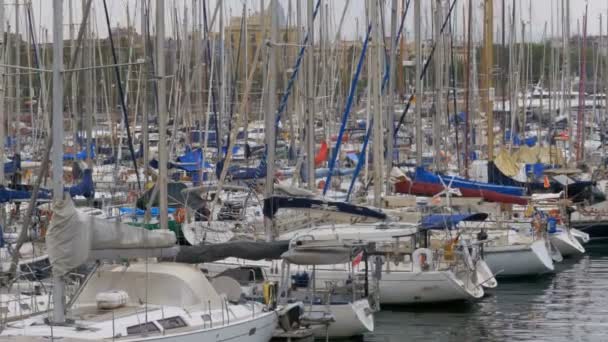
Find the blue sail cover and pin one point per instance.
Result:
(7, 195)
(449, 221)
(85, 188)
(425, 176)
(273, 204)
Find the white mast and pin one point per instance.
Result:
(144, 88)
(219, 116)
(391, 96)
(161, 113)
(57, 156)
(376, 55)
(89, 110)
(417, 28)
(271, 113)
(17, 100)
(3, 88)
(310, 129)
(438, 85)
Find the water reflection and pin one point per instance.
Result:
(569, 306)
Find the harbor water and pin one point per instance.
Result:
(571, 305)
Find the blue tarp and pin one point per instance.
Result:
(449, 221)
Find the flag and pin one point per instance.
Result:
(357, 259)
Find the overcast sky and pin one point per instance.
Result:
(541, 13)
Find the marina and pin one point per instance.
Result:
(298, 170)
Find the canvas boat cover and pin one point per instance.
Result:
(449, 221)
(321, 253)
(249, 250)
(72, 235)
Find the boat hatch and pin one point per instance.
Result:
(172, 323)
(143, 328)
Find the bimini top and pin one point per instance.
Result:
(449, 221)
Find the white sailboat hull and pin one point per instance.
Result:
(519, 260)
(566, 244)
(258, 329)
(485, 275)
(581, 236)
(398, 287)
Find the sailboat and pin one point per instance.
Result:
(400, 248)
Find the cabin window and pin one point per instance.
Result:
(142, 329)
(172, 323)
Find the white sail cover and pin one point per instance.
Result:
(72, 235)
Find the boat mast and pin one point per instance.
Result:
(310, 129)
(144, 87)
(503, 81)
(219, 116)
(390, 113)
(270, 117)
(376, 103)
(580, 127)
(438, 85)
(467, 91)
(161, 113)
(566, 88)
(2, 96)
(89, 110)
(486, 73)
(417, 30)
(57, 133)
(17, 99)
